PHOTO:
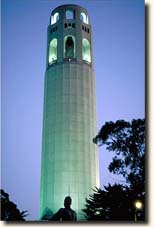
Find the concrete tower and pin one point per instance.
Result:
(69, 157)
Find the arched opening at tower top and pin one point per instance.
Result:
(54, 18)
(53, 50)
(69, 14)
(86, 52)
(84, 18)
(69, 47)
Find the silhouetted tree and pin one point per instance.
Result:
(115, 203)
(127, 141)
(9, 210)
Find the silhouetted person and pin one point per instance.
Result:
(65, 214)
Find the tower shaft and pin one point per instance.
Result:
(69, 157)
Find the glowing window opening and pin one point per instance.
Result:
(54, 18)
(86, 53)
(84, 18)
(53, 51)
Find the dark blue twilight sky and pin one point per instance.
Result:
(118, 42)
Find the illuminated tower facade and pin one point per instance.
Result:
(69, 157)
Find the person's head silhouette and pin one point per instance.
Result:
(67, 202)
(65, 214)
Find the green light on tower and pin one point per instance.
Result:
(69, 157)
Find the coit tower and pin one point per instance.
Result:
(69, 157)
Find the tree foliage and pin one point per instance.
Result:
(9, 210)
(115, 203)
(127, 141)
